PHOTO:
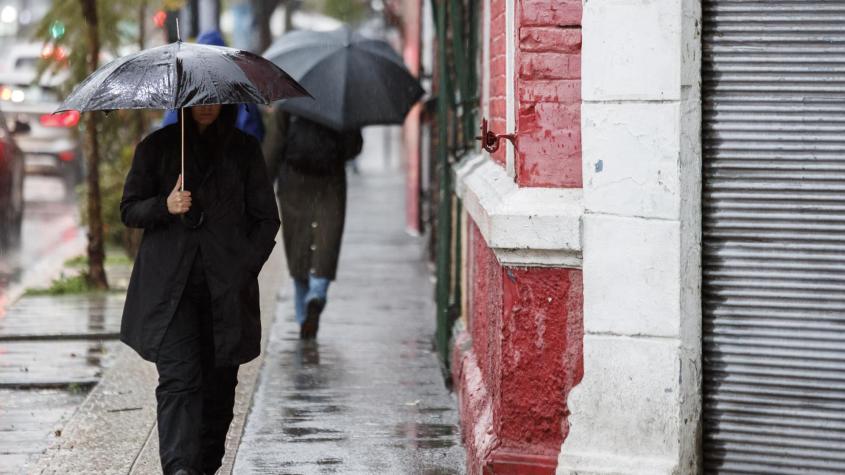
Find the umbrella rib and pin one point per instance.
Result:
(400, 71)
(248, 83)
(380, 80)
(254, 90)
(106, 77)
(176, 68)
(206, 72)
(141, 80)
(338, 121)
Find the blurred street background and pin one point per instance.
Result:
(45, 165)
(75, 400)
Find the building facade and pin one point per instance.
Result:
(650, 268)
(518, 350)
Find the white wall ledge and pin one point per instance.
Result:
(534, 227)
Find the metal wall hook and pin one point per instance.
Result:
(490, 141)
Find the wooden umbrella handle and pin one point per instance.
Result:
(182, 111)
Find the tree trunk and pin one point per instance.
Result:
(140, 117)
(262, 10)
(96, 254)
(290, 9)
(132, 236)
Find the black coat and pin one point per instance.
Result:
(234, 240)
(308, 161)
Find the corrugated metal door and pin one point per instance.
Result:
(774, 236)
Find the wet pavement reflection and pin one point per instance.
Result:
(50, 234)
(53, 350)
(368, 397)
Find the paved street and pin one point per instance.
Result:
(51, 234)
(53, 350)
(48, 362)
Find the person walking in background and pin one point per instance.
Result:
(249, 115)
(308, 161)
(192, 306)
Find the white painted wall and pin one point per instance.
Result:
(637, 410)
(523, 226)
(485, 60)
(510, 82)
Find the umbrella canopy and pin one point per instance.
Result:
(357, 81)
(182, 75)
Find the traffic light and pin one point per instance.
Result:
(159, 18)
(57, 30)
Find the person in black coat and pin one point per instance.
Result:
(192, 305)
(308, 160)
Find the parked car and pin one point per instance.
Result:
(50, 144)
(11, 183)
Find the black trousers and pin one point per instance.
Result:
(195, 398)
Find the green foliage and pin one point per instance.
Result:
(77, 388)
(113, 171)
(172, 4)
(77, 262)
(64, 285)
(116, 131)
(114, 257)
(57, 30)
(74, 279)
(74, 39)
(349, 11)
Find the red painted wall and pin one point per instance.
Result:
(498, 73)
(541, 357)
(548, 86)
(526, 335)
(522, 352)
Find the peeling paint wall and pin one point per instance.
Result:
(548, 81)
(521, 352)
(518, 361)
(497, 62)
(486, 307)
(638, 407)
(540, 357)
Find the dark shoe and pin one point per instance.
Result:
(313, 309)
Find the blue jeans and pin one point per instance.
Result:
(306, 291)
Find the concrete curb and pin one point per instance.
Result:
(104, 434)
(47, 268)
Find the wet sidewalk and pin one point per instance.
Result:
(368, 397)
(53, 350)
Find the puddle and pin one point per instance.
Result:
(426, 436)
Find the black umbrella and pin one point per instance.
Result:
(357, 81)
(180, 75)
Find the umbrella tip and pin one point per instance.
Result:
(178, 33)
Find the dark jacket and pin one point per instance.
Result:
(236, 236)
(308, 160)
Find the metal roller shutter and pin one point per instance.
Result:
(774, 236)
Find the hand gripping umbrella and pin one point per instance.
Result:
(358, 81)
(179, 75)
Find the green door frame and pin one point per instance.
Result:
(457, 104)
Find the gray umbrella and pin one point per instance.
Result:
(356, 81)
(180, 75)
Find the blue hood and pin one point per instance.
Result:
(211, 37)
